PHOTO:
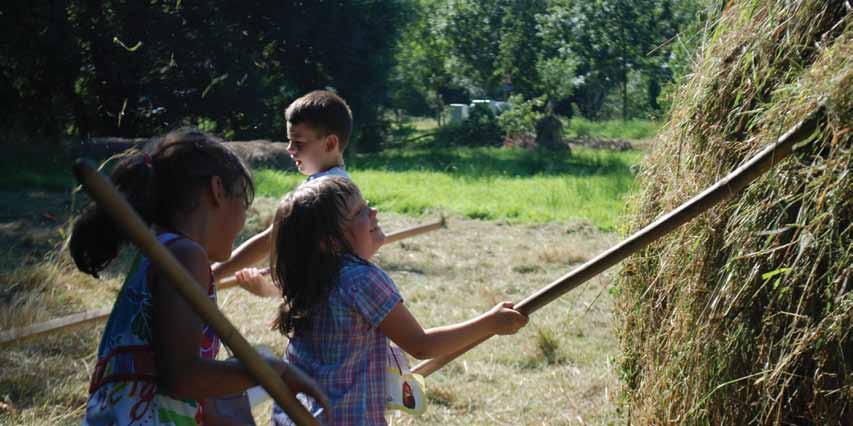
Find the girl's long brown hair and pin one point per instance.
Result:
(164, 179)
(308, 244)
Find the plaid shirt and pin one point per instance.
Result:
(343, 348)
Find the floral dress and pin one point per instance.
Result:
(124, 390)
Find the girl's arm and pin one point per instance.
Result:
(257, 283)
(403, 329)
(249, 253)
(178, 333)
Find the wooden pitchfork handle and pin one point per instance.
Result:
(67, 323)
(106, 195)
(725, 188)
(231, 281)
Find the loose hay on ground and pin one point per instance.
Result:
(448, 275)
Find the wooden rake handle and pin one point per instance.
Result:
(414, 230)
(67, 323)
(231, 281)
(723, 189)
(106, 195)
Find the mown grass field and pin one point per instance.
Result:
(517, 221)
(518, 186)
(488, 183)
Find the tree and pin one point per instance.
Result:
(123, 68)
(420, 76)
(472, 33)
(520, 47)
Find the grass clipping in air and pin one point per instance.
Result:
(743, 315)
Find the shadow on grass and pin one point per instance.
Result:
(49, 167)
(36, 166)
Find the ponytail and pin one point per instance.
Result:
(95, 238)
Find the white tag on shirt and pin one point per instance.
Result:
(404, 391)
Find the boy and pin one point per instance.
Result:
(319, 125)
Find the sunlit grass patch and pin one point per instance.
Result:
(611, 129)
(489, 184)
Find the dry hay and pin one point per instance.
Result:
(557, 371)
(743, 315)
(256, 153)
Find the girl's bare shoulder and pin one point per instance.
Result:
(192, 256)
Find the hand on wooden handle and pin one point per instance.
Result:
(299, 382)
(257, 282)
(505, 319)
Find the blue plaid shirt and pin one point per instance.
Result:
(343, 349)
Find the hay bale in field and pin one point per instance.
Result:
(256, 153)
(264, 153)
(743, 315)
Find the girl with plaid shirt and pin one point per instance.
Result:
(339, 309)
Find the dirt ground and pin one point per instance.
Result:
(558, 370)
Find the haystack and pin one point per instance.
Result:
(743, 316)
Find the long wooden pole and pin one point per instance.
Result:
(231, 281)
(414, 230)
(105, 194)
(67, 323)
(725, 188)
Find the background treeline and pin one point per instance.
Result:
(600, 58)
(133, 68)
(78, 68)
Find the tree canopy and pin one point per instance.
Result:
(124, 68)
(603, 58)
(121, 68)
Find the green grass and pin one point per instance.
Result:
(481, 183)
(572, 128)
(486, 183)
(611, 129)
(423, 124)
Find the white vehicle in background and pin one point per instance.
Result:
(460, 112)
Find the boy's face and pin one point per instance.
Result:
(311, 152)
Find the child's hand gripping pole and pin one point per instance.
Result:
(390, 238)
(105, 194)
(725, 188)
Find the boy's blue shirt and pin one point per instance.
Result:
(334, 171)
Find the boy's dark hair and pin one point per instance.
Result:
(164, 179)
(324, 111)
(307, 246)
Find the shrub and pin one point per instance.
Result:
(522, 117)
(480, 129)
